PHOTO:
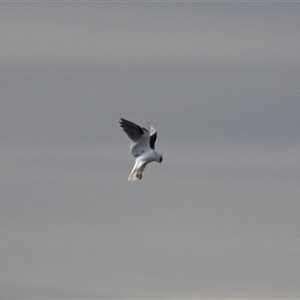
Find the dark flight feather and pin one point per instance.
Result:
(133, 130)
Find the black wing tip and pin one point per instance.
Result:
(123, 122)
(126, 124)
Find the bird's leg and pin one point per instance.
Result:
(139, 175)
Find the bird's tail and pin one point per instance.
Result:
(133, 176)
(136, 173)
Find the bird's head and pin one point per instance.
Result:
(160, 157)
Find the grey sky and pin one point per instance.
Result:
(219, 218)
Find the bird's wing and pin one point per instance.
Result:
(153, 136)
(139, 136)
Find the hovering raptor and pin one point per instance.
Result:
(142, 147)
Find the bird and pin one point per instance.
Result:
(142, 147)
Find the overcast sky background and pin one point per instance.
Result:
(219, 218)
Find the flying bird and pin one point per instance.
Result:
(142, 147)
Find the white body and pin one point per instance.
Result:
(142, 147)
(141, 162)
